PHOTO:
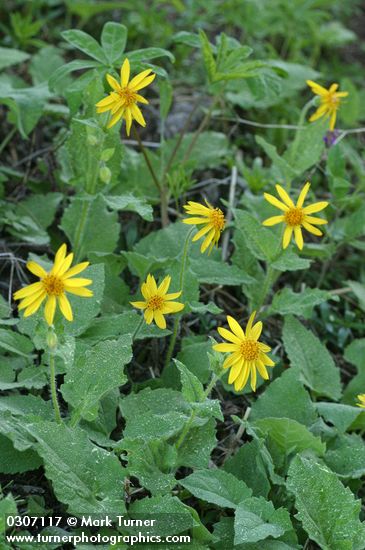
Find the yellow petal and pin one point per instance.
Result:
(141, 99)
(225, 348)
(26, 302)
(235, 327)
(125, 72)
(202, 232)
(275, 202)
(241, 381)
(207, 241)
(255, 332)
(303, 194)
(250, 323)
(27, 291)
(314, 220)
(148, 316)
(172, 307)
(34, 306)
(266, 360)
(227, 335)
(298, 236)
(60, 256)
(50, 309)
(113, 83)
(164, 286)
(287, 236)
(232, 359)
(253, 377)
(116, 117)
(107, 101)
(312, 229)
(128, 120)
(65, 307)
(264, 347)
(195, 221)
(145, 82)
(172, 296)
(72, 283)
(36, 269)
(333, 88)
(137, 115)
(320, 112)
(75, 270)
(84, 292)
(139, 305)
(315, 207)
(316, 88)
(140, 78)
(262, 370)
(333, 121)
(151, 284)
(65, 265)
(235, 371)
(284, 196)
(159, 319)
(273, 220)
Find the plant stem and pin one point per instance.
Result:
(181, 284)
(161, 188)
(52, 375)
(137, 329)
(7, 138)
(187, 426)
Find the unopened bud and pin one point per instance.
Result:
(52, 340)
(92, 140)
(105, 174)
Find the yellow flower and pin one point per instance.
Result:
(53, 286)
(213, 220)
(361, 398)
(157, 302)
(246, 353)
(330, 102)
(295, 216)
(122, 101)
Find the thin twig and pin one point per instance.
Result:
(259, 124)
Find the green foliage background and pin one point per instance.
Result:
(279, 469)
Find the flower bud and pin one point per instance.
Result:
(105, 174)
(52, 340)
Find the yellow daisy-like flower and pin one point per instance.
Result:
(122, 101)
(213, 220)
(246, 353)
(330, 102)
(361, 398)
(53, 286)
(295, 215)
(157, 302)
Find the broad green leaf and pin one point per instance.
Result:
(328, 511)
(310, 356)
(355, 354)
(194, 354)
(81, 223)
(282, 166)
(346, 456)
(88, 479)
(217, 487)
(248, 464)
(285, 397)
(256, 519)
(192, 388)
(145, 54)
(15, 343)
(130, 203)
(197, 446)
(44, 63)
(359, 290)
(11, 56)
(86, 43)
(212, 272)
(113, 41)
(261, 241)
(341, 416)
(13, 461)
(287, 302)
(29, 377)
(224, 532)
(95, 374)
(20, 405)
(307, 147)
(40, 208)
(57, 79)
(290, 436)
(208, 57)
(7, 508)
(289, 261)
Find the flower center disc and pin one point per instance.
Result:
(249, 350)
(156, 302)
(53, 285)
(294, 216)
(217, 219)
(128, 95)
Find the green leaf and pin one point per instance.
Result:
(85, 477)
(261, 241)
(355, 354)
(307, 147)
(351, 108)
(86, 237)
(58, 77)
(130, 203)
(208, 57)
(288, 302)
(7, 508)
(86, 43)
(113, 41)
(212, 272)
(197, 446)
(11, 56)
(281, 165)
(149, 53)
(341, 416)
(192, 388)
(224, 532)
(290, 436)
(13, 461)
(335, 522)
(256, 519)
(285, 397)
(96, 373)
(217, 487)
(29, 377)
(359, 290)
(166, 96)
(346, 456)
(15, 343)
(289, 261)
(248, 464)
(194, 354)
(310, 356)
